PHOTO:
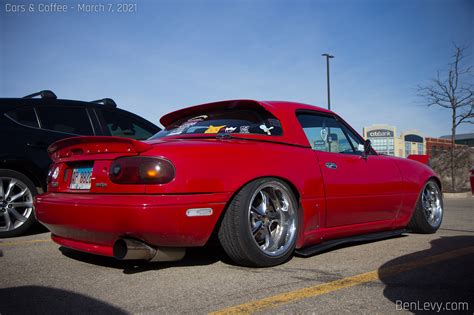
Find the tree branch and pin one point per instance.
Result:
(464, 118)
(453, 92)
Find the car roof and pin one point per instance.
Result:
(8, 104)
(284, 111)
(12, 103)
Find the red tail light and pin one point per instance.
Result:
(141, 170)
(53, 173)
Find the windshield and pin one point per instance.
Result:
(230, 121)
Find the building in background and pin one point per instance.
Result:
(414, 143)
(384, 140)
(437, 145)
(464, 138)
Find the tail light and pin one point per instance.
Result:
(53, 173)
(141, 170)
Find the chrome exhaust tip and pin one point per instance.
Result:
(131, 249)
(127, 249)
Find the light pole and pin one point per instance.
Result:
(328, 56)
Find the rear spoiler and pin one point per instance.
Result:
(422, 158)
(95, 145)
(169, 118)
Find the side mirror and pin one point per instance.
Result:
(367, 148)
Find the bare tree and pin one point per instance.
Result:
(453, 91)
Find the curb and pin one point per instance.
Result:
(457, 195)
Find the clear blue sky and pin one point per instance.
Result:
(172, 54)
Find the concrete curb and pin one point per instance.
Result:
(457, 195)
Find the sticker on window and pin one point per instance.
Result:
(324, 134)
(182, 128)
(213, 129)
(198, 118)
(266, 129)
(244, 129)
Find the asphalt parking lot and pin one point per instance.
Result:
(412, 273)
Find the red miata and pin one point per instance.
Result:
(267, 178)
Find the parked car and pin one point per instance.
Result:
(266, 177)
(29, 125)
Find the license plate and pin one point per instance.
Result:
(81, 178)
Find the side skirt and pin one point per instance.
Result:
(318, 248)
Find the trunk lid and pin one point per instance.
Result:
(81, 164)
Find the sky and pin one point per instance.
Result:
(171, 54)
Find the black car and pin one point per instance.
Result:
(29, 125)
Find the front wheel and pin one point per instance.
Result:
(16, 203)
(428, 213)
(260, 225)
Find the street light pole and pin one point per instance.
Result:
(328, 56)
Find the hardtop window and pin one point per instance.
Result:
(326, 134)
(230, 121)
(24, 116)
(123, 124)
(73, 120)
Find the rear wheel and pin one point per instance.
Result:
(429, 210)
(16, 203)
(260, 225)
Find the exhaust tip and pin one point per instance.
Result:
(131, 249)
(120, 249)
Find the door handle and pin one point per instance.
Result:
(37, 145)
(331, 165)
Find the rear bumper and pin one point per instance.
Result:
(92, 223)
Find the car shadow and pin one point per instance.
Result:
(209, 254)
(353, 243)
(446, 282)
(198, 256)
(36, 228)
(43, 300)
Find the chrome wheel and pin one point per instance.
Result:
(431, 201)
(272, 218)
(16, 203)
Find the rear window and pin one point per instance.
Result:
(231, 121)
(24, 116)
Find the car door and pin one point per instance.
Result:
(39, 126)
(56, 123)
(358, 188)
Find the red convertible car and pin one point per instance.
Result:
(267, 178)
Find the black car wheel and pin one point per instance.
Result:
(260, 225)
(16, 203)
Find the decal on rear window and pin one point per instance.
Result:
(198, 118)
(213, 129)
(241, 120)
(244, 129)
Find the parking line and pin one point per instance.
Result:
(23, 242)
(319, 289)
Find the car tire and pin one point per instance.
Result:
(429, 209)
(260, 225)
(17, 215)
